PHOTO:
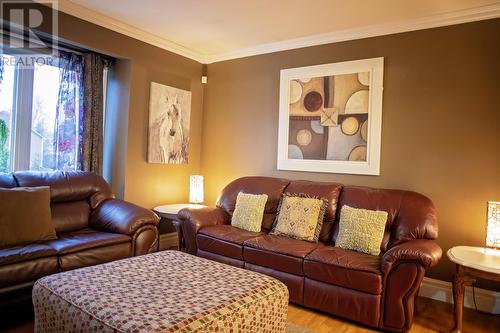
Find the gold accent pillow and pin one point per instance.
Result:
(25, 216)
(249, 211)
(361, 230)
(300, 216)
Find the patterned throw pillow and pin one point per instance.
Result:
(249, 211)
(300, 216)
(361, 230)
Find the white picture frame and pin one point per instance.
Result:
(372, 134)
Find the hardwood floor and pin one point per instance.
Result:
(430, 316)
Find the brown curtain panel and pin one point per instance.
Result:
(93, 113)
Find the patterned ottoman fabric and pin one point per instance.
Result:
(168, 291)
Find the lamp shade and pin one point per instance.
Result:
(196, 189)
(493, 225)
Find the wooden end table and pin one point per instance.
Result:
(472, 262)
(170, 212)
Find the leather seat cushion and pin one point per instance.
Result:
(25, 252)
(86, 239)
(27, 271)
(280, 253)
(95, 256)
(224, 240)
(345, 268)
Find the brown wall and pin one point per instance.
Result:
(440, 128)
(145, 184)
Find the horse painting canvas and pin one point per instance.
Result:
(169, 115)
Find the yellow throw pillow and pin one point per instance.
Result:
(361, 230)
(25, 216)
(249, 211)
(300, 216)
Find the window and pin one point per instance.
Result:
(40, 120)
(6, 117)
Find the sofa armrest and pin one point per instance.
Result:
(193, 219)
(122, 217)
(426, 252)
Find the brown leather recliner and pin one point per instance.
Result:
(92, 228)
(378, 291)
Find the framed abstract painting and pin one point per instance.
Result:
(330, 117)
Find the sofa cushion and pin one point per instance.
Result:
(68, 186)
(86, 239)
(95, 256)
(329, 191)
(225, 240)
(345, 268)
(17, 273)
(280, 253)
(25, 252)
(300, 216)
(25, 216)
(273, 187)
(361, 230)
(70, 216)
(249, 211)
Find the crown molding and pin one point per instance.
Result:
(439, 20)
(110, 23)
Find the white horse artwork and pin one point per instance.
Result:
(169, 113)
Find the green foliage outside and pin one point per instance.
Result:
(4, 152)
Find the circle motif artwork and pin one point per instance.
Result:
(364, 78)
(295, 91)
(313, 101)
(294, 152)
(350, 126)
(358, 154)
(364, 131)
(304, 137)
(317, 127)
(358, 102)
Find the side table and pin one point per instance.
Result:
(472, 262)
(170, 212)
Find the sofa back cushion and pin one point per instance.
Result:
(410, 215)
(329, 191)
(7, 180)
(73, 195)
(70, 216)
(273, 187)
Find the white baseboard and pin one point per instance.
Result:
(486, 300)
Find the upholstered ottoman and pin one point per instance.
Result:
(167, 291)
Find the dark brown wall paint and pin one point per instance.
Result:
(441, 121)
(146, 184)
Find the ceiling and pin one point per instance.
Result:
(214, 30)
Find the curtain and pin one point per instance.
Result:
(69, 112)
(1, 68)
(93, 115)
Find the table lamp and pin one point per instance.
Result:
(196, 189)
(493, 225)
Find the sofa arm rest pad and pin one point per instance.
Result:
(193, 219)
(121, 217)
(202, 217)
(424, 251)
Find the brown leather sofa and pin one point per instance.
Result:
(92, 227)
(378, 291)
